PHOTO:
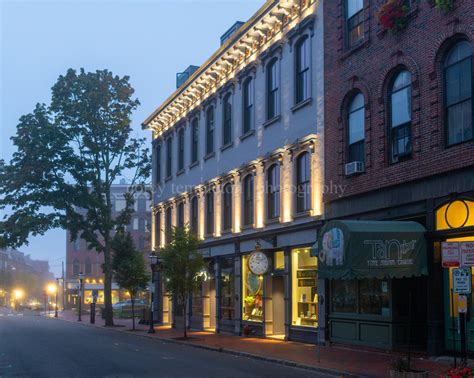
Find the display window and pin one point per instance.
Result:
(196, 304)
(367, 296)
(252, 293)
(227, 289)
(279, 260)
(304, 288)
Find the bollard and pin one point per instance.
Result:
(92, 313)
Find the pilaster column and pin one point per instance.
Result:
(287, 283)
(218, 209)
(288, 188)
(317, 174)
(238, 293)
(187, 210)
(237, 203)
(201, 210)
(259, 192)
(217, 269)
(162, 227)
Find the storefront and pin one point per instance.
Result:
(454, 222)
(375, 271)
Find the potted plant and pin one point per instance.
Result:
(400, 368)
(459, 372)
(445, 5)
(393, 15)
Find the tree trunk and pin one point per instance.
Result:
(133, 312)
(185, 310)
(109, 316)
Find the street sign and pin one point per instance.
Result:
(467, 253)
(450, 254)
(462, 280)
(462, 304)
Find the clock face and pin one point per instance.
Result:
(258, 263)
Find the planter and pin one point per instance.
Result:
(408, 374)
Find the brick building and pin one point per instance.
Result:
(399, 143)
(81, 259)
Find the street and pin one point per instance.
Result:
(31, 345)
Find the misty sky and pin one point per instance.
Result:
(149, 40)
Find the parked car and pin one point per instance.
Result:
(124, 308)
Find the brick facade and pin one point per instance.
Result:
(369, 68)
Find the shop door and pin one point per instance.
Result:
(209, 305)
(278, 304)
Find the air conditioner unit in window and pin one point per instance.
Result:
(354, 167)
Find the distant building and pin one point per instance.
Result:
(79, 258)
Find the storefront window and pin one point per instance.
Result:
(227, 294)
(304, 283)
(196, 304)
(252, 290)
(279, 260)
(373, 297)
(344, 296)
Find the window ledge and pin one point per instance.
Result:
(207, 236)
(302, 214)
(401, 158)
(226, 232)
(180, 172)
(209, 155)
(272, 221)
(271, 121)
(351, 50)
(227, 146)
(168, 178)
(247, 134)
(246, 227)
(301, 104)
(195, 164)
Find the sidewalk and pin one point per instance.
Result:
(335, 359)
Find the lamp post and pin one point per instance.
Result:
(56, 304)
(153, 262)
(81, 280)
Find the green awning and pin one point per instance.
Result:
(371, 249)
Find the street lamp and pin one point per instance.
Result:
(81, 281)
(153, 262)
(56, 300)
(51, 289)
(18, 294)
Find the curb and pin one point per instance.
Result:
(279, 361)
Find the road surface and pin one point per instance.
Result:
(34, 346)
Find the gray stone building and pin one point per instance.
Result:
(237, 157)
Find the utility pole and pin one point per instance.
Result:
(63, 287)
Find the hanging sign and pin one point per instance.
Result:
(450, 254)
(462, 304)
(467, 253)
(462, 280)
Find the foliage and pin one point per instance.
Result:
(393, 15)
(182, 264)
(445, 5)
(68, 156)
(129, 267)
(459, 372)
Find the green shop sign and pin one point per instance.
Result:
(371, 249)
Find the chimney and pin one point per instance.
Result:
(181, 77)
(231, 31)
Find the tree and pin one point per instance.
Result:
(67, 157)
(181, 266)
(129, 267)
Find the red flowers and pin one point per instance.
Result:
(393, 15)
(458, 372)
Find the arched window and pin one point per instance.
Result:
(168, 220)
(273, 192)
(210, 130)
(248, 105)
(88, 267)
(458, 93)
(181, 149)
(169, 156)
(303, 186)
(76, 267)
(302, 70)
(400, 115)
(181, 215)
(273, 103)
(194, 214)
(194, 140)
(227, 115)
(227, 207)
(210, 212)
(141, 203)
(158, 163)
(248, 198)
(356, 124)
(354, 21)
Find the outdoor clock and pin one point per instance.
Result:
(258, 263)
